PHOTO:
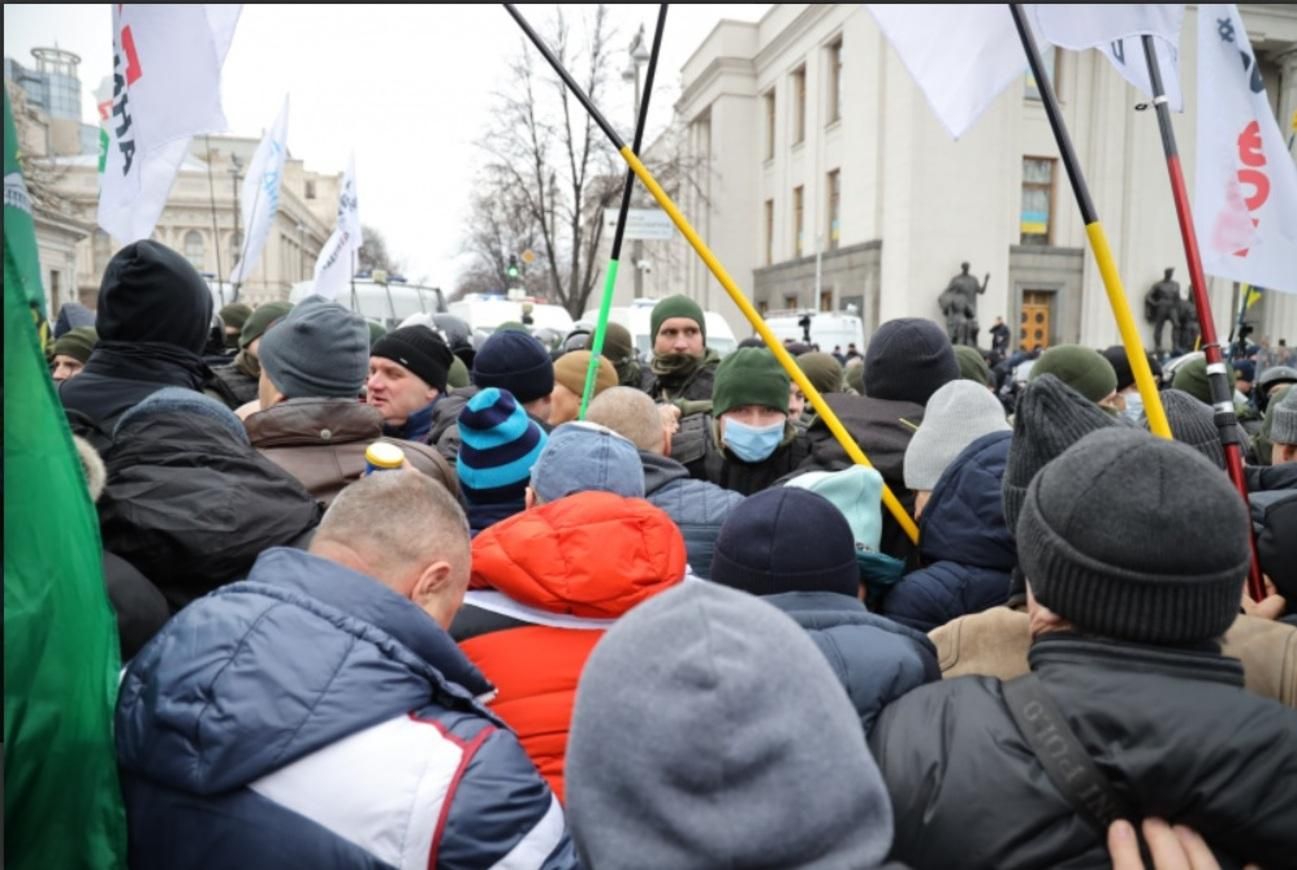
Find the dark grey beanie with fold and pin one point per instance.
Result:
(1137, 538)
(318, 350)
(1193, 423)
(1050, 417)
(709, 731)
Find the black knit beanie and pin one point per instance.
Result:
(1134, 537)
(516, 362)
(786, 539)
(908, 360)
(1050, 417)
(420, 350)
(1116, 357)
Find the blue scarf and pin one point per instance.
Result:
(417, 425)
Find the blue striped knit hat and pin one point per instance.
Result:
(499, 446)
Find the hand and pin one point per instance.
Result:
(1272, 606)
(670, 418)
(1172, 849)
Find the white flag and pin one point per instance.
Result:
(166, 88)
(961, 57)
(333, 269)
(260, 194)
(1245, 202)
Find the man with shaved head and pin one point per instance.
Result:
(319, 714)
(696, 506)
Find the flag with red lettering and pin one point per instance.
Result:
(166, 88)
(1245, 202)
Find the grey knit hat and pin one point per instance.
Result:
(1134, 537)
(318, 350)
(1283, 428)
(1050, 417)
(681, 756)
(957, 415)
(1193, 423)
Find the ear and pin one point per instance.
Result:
(1042, 619)
(431, 592)
(529, 500)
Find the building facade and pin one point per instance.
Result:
(832, 185)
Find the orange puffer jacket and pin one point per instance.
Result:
(546, 584)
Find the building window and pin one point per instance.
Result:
(762, 307)
(770, 231)
(835, 82)
(790, 301)
(1037, 200)
(769, 100)
(194, 252)
(310, 189)
(799, 105)
(797, 222)
(1050, 59)
(55, 298)
(835, 208)
(826, 300)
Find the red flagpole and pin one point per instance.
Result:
(1217, 374)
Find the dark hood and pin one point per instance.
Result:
(659, 471)
(150, 293)
(964, 520)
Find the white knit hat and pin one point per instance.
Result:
(957, 415)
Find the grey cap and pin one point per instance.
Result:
(709, 731)
(1277, 375)
(1193, 423)
(318, 350)
(581, 456)
(1283, 428)
(957, 415)
(1138, 538)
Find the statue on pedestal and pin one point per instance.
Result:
(1187, 331)
(1162, 304)
(959, 306)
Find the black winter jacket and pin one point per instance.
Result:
(1273, 497)
(1173, 731)
(191, 506)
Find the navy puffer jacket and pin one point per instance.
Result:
(876, 660)
(964, 542)
(697, 507)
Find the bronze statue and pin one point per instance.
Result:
(959, 306)
(1187, 331)
(1162, 304)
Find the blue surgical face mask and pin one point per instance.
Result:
(753, 443)
(1134, 408)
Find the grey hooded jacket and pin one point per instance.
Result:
(697, 507)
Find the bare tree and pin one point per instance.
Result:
(374, 254)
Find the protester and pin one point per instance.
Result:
(972, 366)
(747, 442)
(1273, 497)
(1244, 375)
(153, 314)
(408, 368)
(313, 366)
(1084, 370)
(500, 446)
(71, 352)
(1129, 403)
(730, 744)
(243, 375)
(569, 384)
(955, 467)
(509, 360)
(825, 374)
(139, 607)
(1101, 529)
(1269, 382)
(698, 508)
(793, 548)
(189, 503)
(619, 348)
(1192, 423)
(234, 316)
(907, 360)
(683, 367)
(319, 714)
(71, 316)
(548, 582)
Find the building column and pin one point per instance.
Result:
(1287, 62)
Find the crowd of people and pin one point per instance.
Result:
(680, 629)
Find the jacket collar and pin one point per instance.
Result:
(314, 423)
(1202, 662)
(369, 601)
(659, 471)
(417, 425)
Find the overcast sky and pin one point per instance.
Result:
(406, 87)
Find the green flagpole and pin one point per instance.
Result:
(614, 260)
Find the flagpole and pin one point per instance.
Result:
(216, 233)
(1217, 375)
(1134, 345)
(614, 259)
(849, 445)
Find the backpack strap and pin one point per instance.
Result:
(1066, 761)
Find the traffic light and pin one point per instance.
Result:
(513, 266)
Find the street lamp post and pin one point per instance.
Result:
(639, 55)
(237, 254)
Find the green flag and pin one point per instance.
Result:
(63, 805)
(22, 261)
